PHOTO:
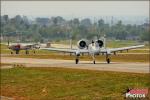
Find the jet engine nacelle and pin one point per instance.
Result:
(100, 43)
(82, 44)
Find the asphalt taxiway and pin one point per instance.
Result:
(113, 66)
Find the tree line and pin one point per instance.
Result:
(56, 28)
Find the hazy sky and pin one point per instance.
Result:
(75, 8)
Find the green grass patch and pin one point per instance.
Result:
(68, 84)
(3, 46)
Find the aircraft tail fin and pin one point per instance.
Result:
(104, 40)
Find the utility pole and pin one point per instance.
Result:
(17, 33)
(70, 41)
(104, 39)
(1, 37)
(69, 31)
(112, 21)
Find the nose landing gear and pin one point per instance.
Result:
(94, 62)
(77, 60)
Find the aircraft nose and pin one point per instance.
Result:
(77, 53)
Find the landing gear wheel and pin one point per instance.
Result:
(108, 60)
(93, 62)
(27, 52)
(17, 51)
(77, 60)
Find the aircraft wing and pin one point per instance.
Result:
(66, 50)
(120, 49)
(31, 46)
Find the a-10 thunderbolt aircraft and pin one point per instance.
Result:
(95, 48)
(19, 46)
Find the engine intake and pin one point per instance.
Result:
(82, 44)
(100, 43)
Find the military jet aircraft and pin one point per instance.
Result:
(94, 48)
(17, 47)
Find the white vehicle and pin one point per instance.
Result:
(95, 48)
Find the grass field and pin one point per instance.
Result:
(68, 84)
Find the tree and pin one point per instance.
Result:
(145, 36)
(57, 28)
(86, 22)
(101, 23)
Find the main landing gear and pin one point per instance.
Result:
(77, 59)
(34, 51)
(93, 56)
(27, 51)
(17, 51)
(94, 62)
(107, 58)
(11, 52)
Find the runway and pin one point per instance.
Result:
(103, 66)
